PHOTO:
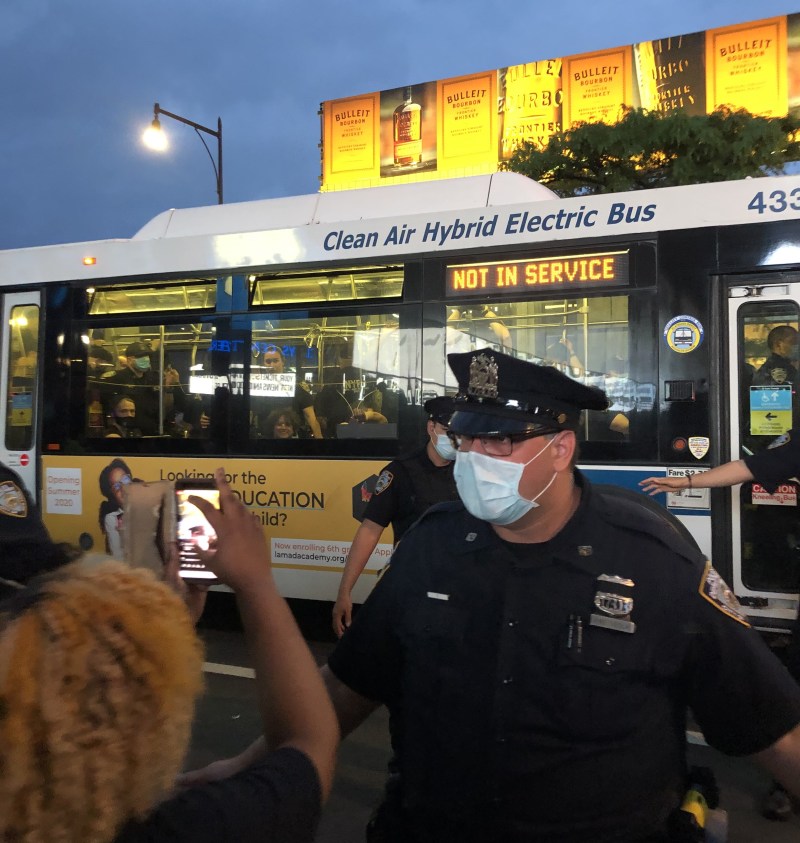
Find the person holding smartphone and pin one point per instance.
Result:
(101, 670)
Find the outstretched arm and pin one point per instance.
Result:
(295, 708)
(364, 542)
(728, 474)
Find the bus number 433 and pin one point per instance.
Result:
(778, 201)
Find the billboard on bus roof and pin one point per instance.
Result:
(469, 125)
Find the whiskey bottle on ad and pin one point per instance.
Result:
(407, 122)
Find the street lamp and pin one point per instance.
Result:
(155, 138)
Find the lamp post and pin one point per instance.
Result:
(155, 138)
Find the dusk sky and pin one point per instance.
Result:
(80, 79)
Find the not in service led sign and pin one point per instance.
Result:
(599, 269)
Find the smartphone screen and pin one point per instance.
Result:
(194, 532)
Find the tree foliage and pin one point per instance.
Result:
(651, 149)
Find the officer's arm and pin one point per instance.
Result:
(351, 708)
(782, 760)
(364, 542)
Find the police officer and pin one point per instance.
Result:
(538, 646)
(405, 488)
(781, 365)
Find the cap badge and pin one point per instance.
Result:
(482, 377)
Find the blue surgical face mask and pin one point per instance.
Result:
(142, 364)
(489, 487)
(444, 447)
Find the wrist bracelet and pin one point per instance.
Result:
(689, 478)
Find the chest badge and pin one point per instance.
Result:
(613, 603)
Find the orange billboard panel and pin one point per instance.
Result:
(597, 86)
(467, 109)
(351, 133)
(746, 67)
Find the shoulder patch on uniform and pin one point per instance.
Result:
(383, 482)
(714, 589)
(12, 500)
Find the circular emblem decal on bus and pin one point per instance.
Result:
(683, 334)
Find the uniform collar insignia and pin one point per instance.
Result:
(482, 377)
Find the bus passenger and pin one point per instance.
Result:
(143, 384)
(405, 488)
(102, 668)
(99, 358)
(302, 403)
(284, 424)
(122, 421)
(140, 381)
(482, 327)
(781, 365)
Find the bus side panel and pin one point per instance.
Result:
(308, 509)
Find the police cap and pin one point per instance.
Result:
(439, 409)
(502, 394)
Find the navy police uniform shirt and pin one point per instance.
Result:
(406, 488)
(515, 717)
(778, 462)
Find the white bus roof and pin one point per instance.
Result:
(347, 205)
(385, 225)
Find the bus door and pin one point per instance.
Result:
(763, 325)
(19, 349)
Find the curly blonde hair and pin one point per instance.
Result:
(99, 672)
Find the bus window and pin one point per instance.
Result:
(194, 294)
(588, 339)
(334, 377)
(142, 381)
(365, 282)
(769, 377)
(22, 376)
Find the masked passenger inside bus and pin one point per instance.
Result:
(140, 380)
(122, 420)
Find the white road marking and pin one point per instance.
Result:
(229, 670)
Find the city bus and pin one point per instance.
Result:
(664, 298)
